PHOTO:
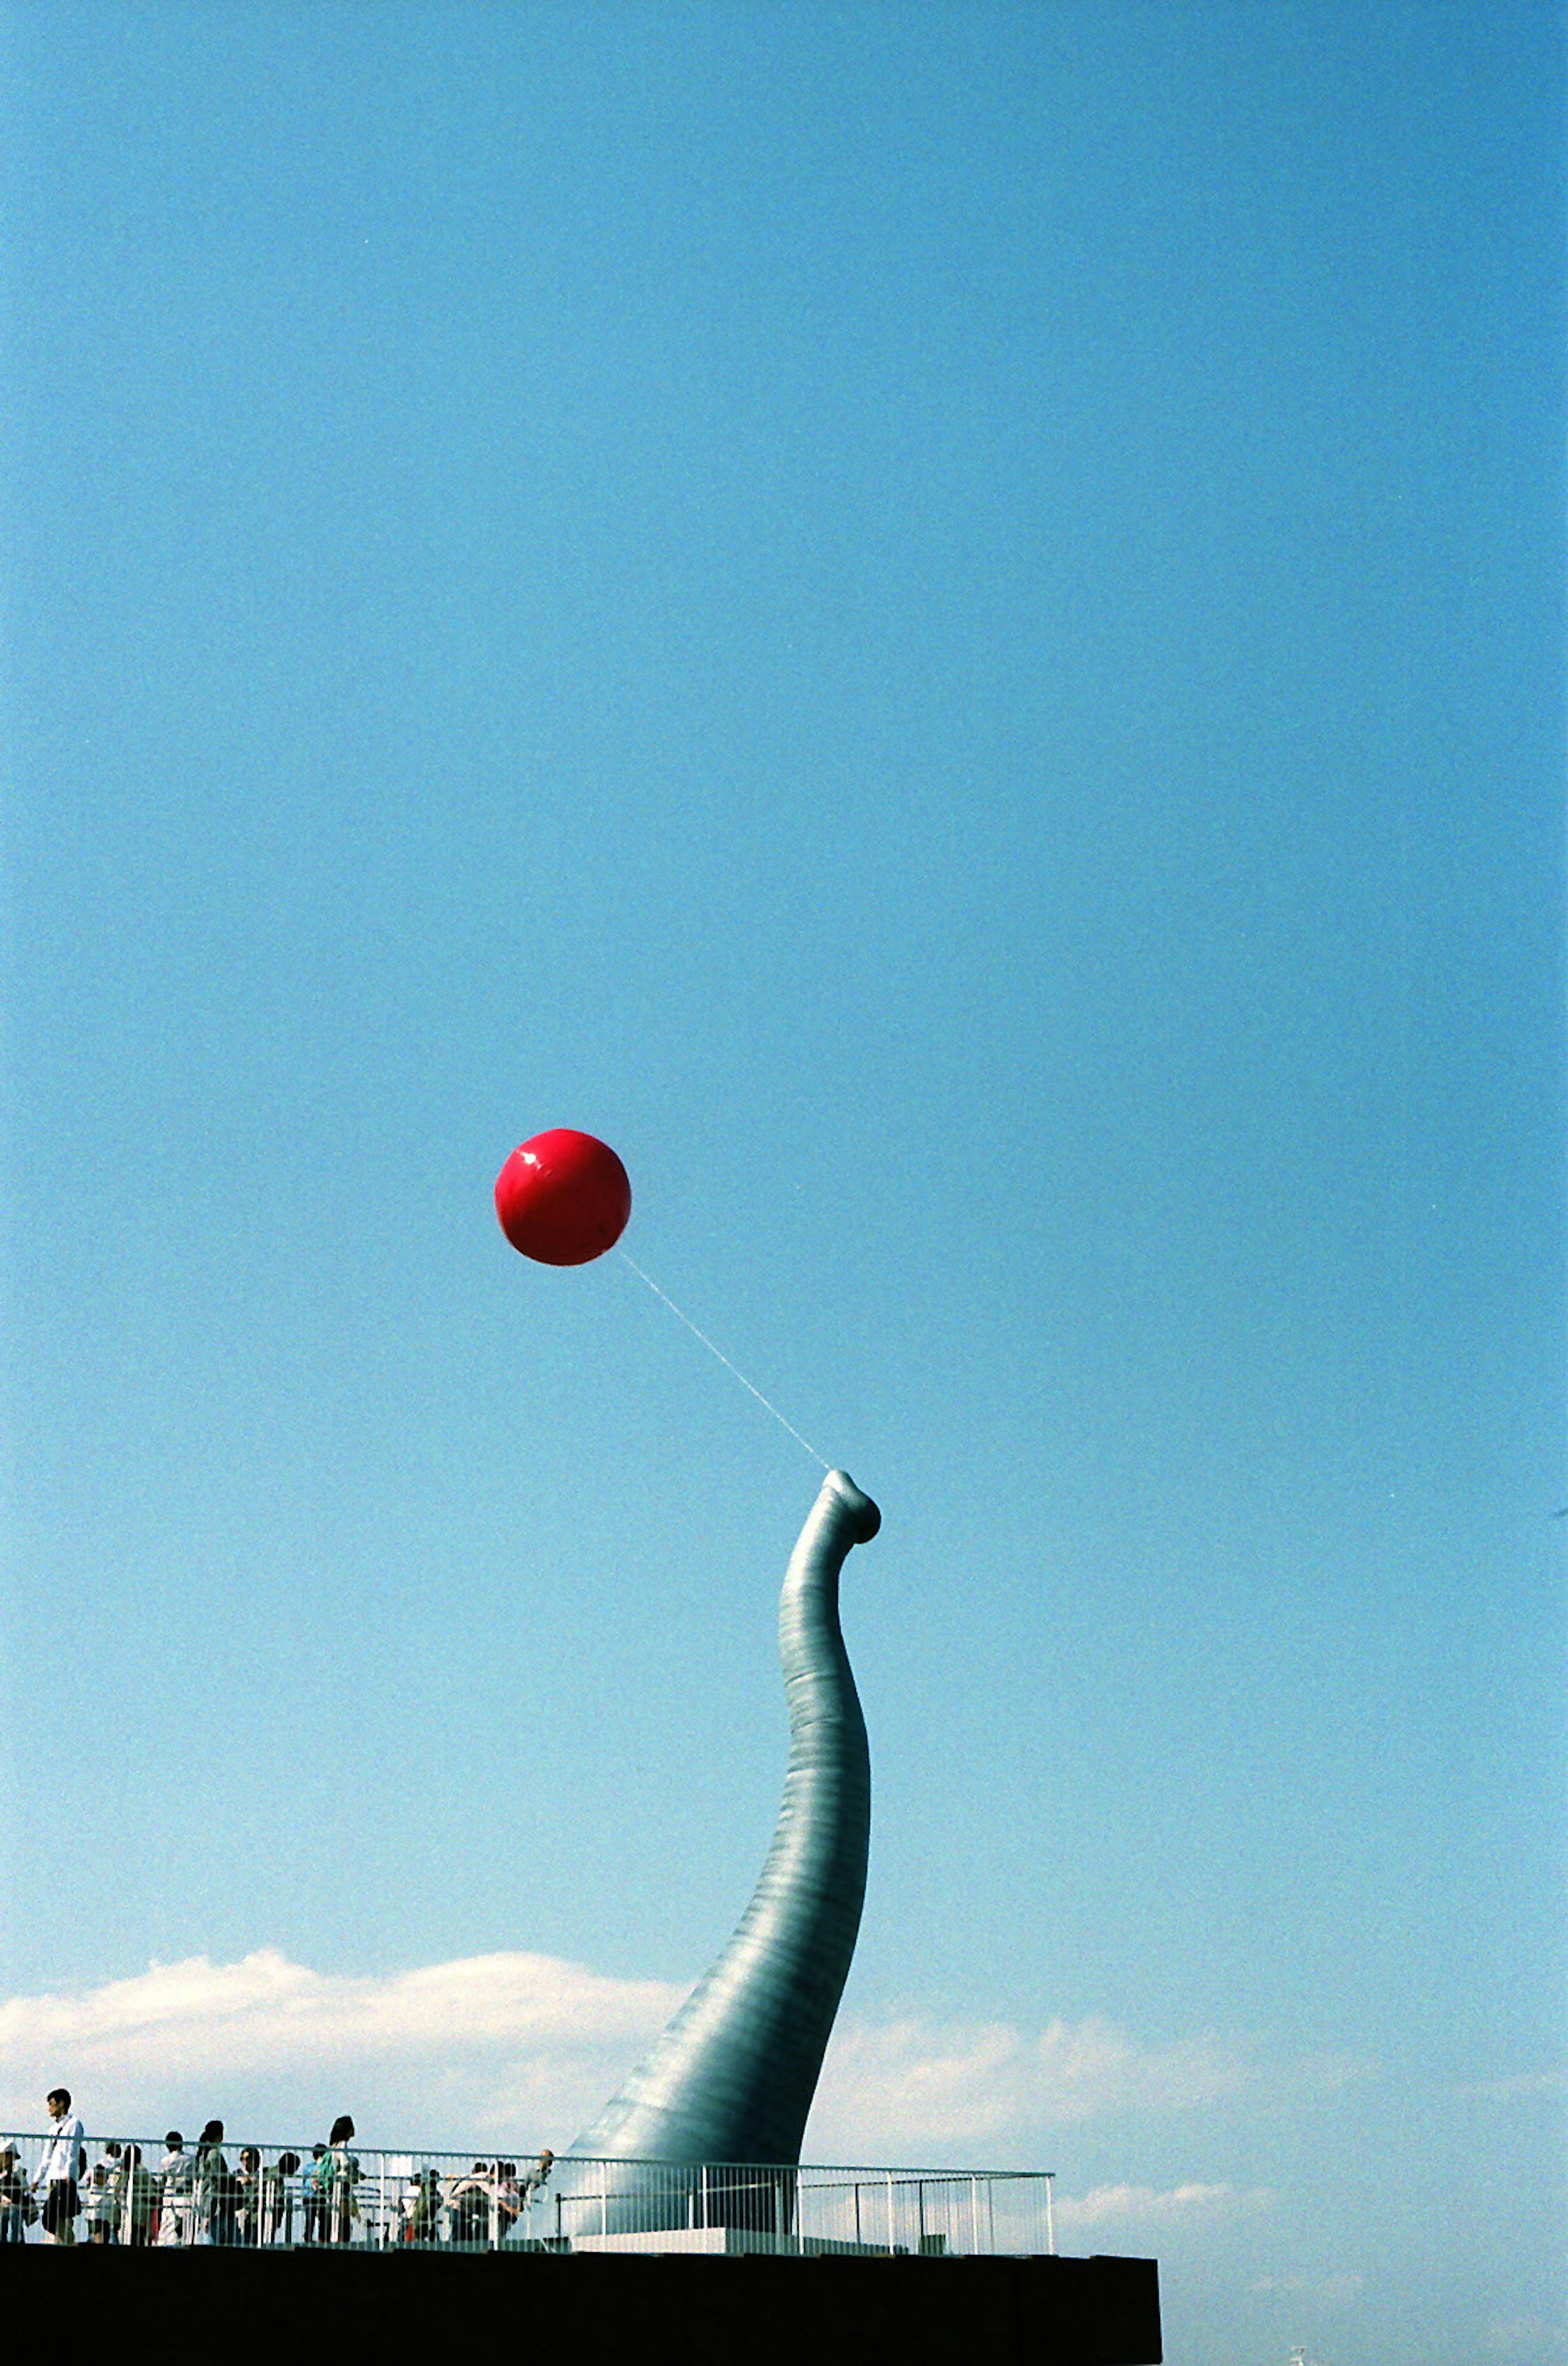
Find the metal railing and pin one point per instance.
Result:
(267, 2196)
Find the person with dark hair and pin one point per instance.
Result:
(470, 2199)
(340, 2175)
(137, 2200)
(277, 2199)
(506, 2201)
(101, 2203)
(424, 2208)
(177, 2193)
(16, 2208)
(215, 2191)
(62, 2162)
(248, 2196)
(313, 2190)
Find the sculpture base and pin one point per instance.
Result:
(727, 2243)
(661, 2312)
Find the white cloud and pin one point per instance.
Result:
(901, 2086)
(480, 2045)
(1149, 2205)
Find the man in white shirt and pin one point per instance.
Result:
(57, 2171)
(177, 2187)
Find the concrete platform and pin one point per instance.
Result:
(725, 2243)
(680, 2311)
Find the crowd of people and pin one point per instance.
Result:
(193, 2194)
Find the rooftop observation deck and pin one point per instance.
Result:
(841, 2266)
(251, 2195)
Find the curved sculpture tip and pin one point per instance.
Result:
(862, 1514)
(733, 2075)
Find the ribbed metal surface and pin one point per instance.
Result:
(732, 2076)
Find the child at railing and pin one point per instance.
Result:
(100, 2203)
(18, 2208)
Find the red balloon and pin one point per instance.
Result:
(563, 1198)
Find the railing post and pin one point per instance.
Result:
(604, 2199)
(890, 2214)
(705, 2193)
(1050, 2214)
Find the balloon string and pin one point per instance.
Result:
(723, 1358)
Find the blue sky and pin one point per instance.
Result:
(944, 623)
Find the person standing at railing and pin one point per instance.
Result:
(534, 2179)
(248, 2195)
(64, 2160)
(312, 2191)
(470, 2199)
(216, 2193)
(113, 2158)
(114, 2165)
(17, 2209)
(177, 2193)
(276, 2199)
(340, 2175)
(424, 2207)
(101, 2203)
(511, 2195)
(137, 2198)
(506, 2201)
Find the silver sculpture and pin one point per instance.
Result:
(733, 2075)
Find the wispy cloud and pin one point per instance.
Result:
(915, 2082)
(1108, 2206)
